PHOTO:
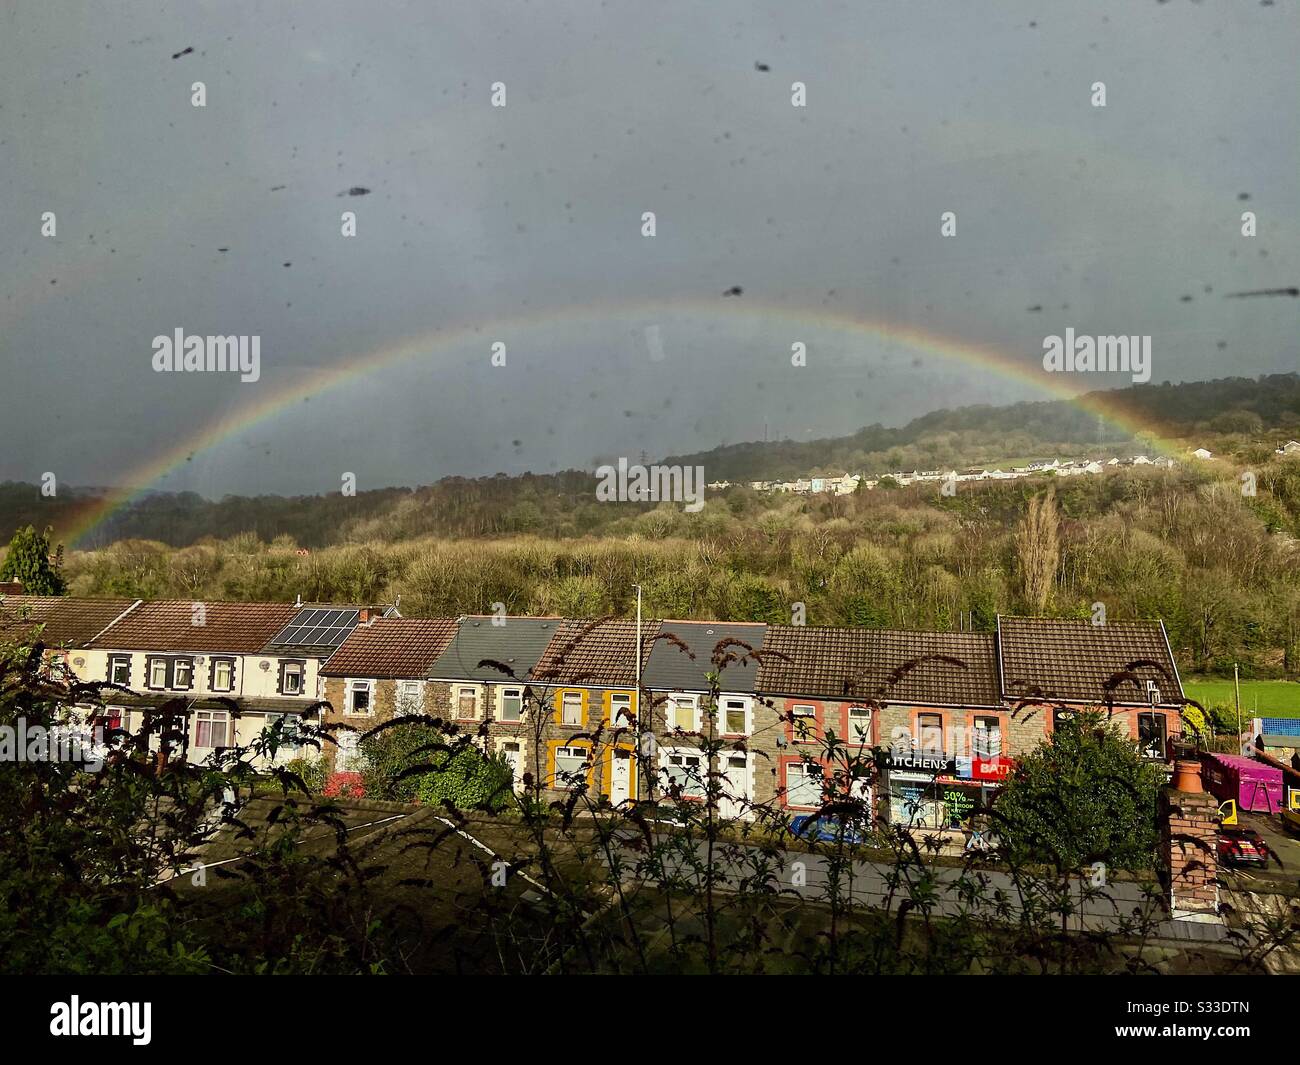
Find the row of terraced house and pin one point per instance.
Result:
(945, 714)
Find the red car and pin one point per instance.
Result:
(1242, 846)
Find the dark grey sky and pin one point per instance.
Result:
(523, 223)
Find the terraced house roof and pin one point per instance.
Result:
(392, 648)
(517, 645)
(1076, 661)
(596, 653)
(889, 665)
(67, 622)
(669, 668)
(177, 625)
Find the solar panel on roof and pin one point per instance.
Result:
(318, 627)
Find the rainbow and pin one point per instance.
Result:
(272, 401)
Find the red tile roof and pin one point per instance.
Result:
(67, 622)
(595, 653)
(1076, 661)
(171, 625)
(392, 648)
(927, 668)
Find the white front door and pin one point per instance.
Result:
(736, 793)
(620, 777)
(511, 752)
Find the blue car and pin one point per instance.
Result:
(811, 826)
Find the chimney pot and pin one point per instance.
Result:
(1187, 776)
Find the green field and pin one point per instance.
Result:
(1259, 698)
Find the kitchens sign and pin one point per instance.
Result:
(917, 761)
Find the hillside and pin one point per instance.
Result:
(1232, 415)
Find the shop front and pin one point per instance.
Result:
(932, 792)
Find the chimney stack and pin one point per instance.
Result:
(1189, 829)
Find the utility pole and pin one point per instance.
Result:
(1236, 684)
(640, 717)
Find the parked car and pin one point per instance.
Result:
(1242, 846)
(826, 830)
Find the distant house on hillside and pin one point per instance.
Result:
(1291, 447)
(1202, 453)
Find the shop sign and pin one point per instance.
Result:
(996, 769)
(917, 761)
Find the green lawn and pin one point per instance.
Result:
(1262, 698)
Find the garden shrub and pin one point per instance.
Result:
(468, 780)
(394, 750)
(313, 772)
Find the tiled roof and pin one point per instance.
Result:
(170, 625)
(392, 648)
(517, 644)
(927, 668)
(672, 669)
(1076, 661)
(596, 653)
(68, 622)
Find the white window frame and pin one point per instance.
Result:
(404, 701)
(674, 705)
(666, 756)
(119, 660)
(811, 715)
(188, 663)
(459, 690)
(292, 669)
(210, 717)
(619, 701)
(152, 664)
(510, 691)
(217, 663)
(853, 736)
(290, 735)
(747, 705)
(566, 701)
(805, 770)
(354, 685)
(571, 750)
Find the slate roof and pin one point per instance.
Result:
(596, 653)
(392, 648)
(168, 625)
(518, 644)
(891, 665)
(671, 669)
(1073, 660)
(68, 622)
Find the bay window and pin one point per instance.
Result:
(211, 728)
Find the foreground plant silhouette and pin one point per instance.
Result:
(152, 865)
